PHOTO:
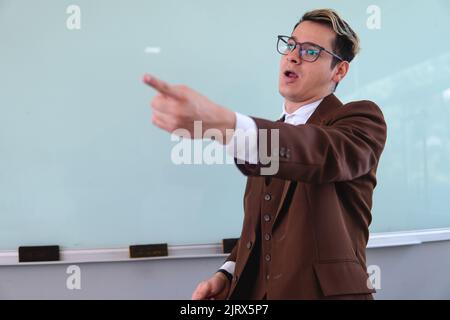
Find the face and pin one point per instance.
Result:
(304, 82)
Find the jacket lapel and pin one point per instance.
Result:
(329, 104)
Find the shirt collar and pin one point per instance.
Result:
(301, 115)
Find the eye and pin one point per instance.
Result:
(291, 45)
(312, 52)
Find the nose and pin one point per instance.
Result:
(293, 57)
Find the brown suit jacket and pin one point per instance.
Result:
(320, 231)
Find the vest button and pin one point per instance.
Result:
(268, 257)
(267, 217)
(268, 277)
(267, 197)
(282, 152)
(249, 245)
(267, 236)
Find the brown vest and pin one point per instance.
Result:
(259, 267)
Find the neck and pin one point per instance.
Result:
(292, 106)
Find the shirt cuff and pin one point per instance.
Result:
(244, 142)
(229, 267)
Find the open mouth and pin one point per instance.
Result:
(290, 74)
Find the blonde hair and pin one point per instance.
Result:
(346, 44)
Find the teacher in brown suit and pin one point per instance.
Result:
(305, 227)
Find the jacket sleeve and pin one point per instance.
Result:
(233, 255)
(344, 147)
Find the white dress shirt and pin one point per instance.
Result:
(246, 125)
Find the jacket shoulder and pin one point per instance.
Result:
(364, 108)
(362, 105)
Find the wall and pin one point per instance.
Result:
(407, 272)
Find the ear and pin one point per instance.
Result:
(340, 71)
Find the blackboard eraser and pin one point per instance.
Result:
(149, 250)
(38, 253)
(228, 244)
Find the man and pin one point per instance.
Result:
(305, 227)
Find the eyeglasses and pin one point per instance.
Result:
(309, 51)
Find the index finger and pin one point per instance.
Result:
(162, 87)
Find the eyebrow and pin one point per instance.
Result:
(311, 42)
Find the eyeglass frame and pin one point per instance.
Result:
(311, 43)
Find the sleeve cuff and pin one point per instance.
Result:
(229, 267)
(244, 143)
